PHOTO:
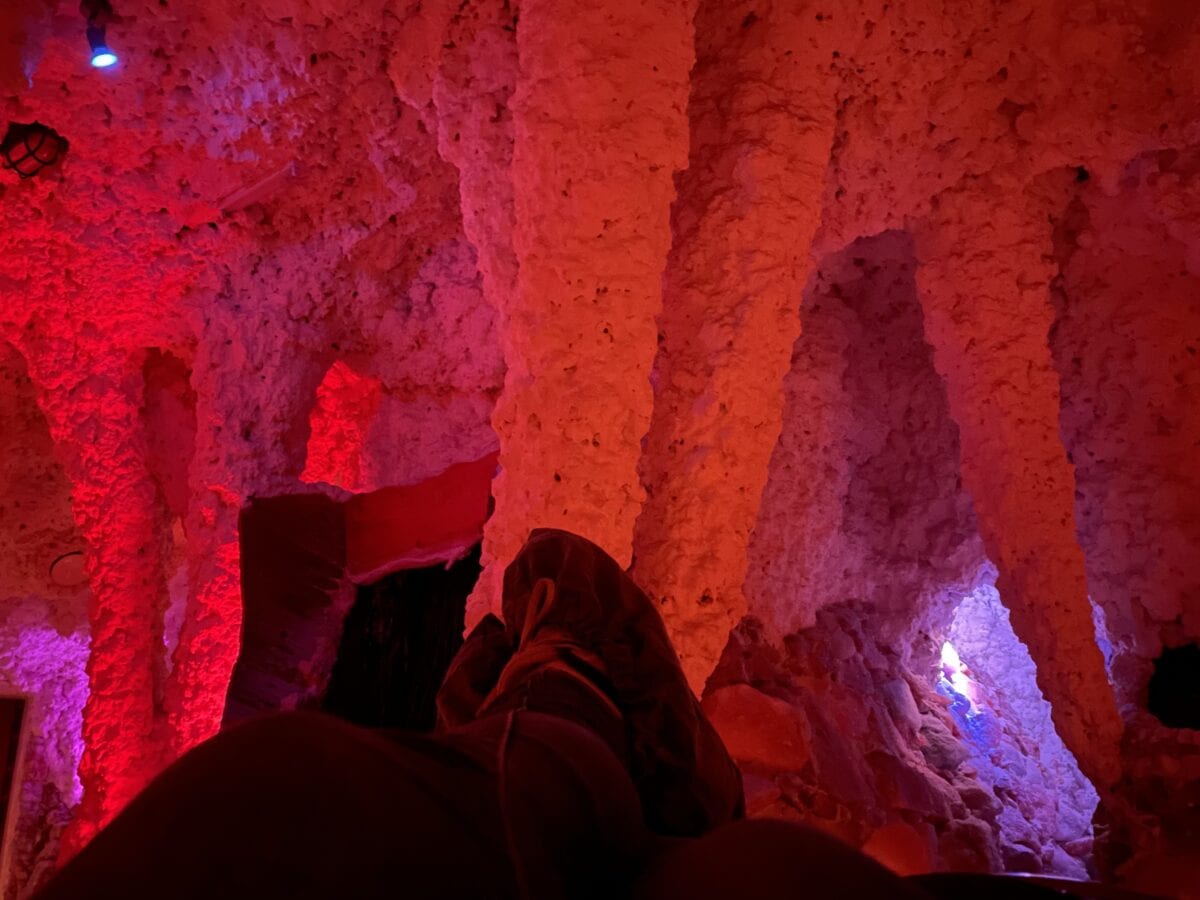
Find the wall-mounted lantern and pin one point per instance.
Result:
(28, 148)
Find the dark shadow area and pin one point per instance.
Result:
(397, 643)
(1174, 697)
(977, 886)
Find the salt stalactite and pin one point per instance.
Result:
(473, 92)
(1126, 345)
(984, 276)
(1125, 342)
(600, 129)
(762, 120)
(251, 441)
(91, 401)
(209, 638)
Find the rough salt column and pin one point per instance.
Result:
(92, 402)
(762, 122)
(210, 635)
(473, 91)
(600, 130)
(985, 265)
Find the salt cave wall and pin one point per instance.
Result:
(832, 315)
(257, 303)
(43, 621)
(843, 727)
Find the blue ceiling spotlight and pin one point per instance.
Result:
(102, 57)
(99, 14)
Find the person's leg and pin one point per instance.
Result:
(571, 812)
(571, 613)
(765, 859)
(581, 641)
(297, 806)
(510, 803)
(305, 806)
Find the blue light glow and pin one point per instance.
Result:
(103, 58)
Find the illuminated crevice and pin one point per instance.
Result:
(990, 682)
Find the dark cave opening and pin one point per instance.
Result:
(1174, 692)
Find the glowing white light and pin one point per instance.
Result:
(954, 671)
(950, 658)
(102, 58)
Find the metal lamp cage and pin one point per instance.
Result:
(28, 148)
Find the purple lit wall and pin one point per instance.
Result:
(48, 667)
